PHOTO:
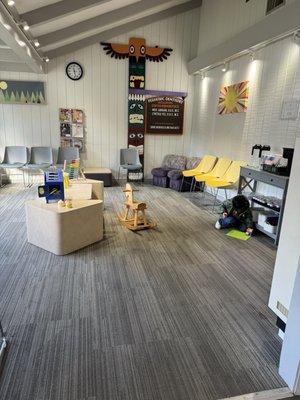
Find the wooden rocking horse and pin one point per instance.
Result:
(138, 219)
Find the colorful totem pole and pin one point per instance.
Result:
(138, 52)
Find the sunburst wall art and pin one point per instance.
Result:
(234, 98)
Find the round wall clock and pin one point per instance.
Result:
(74, 71)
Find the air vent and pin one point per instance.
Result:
(274, 4)
(280, 307)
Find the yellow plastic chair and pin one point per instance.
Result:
(228, 180)
(218, 171)
(206, 165)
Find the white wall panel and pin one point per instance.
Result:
(223, 19)
(274, 76)
(287, 258)
(102, 94)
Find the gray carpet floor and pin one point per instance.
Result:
(176, 313)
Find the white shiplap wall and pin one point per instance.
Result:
(274, 76)
(102, 94)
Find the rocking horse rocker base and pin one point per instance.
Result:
(138, 219)
(133, 225)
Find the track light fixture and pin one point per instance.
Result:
(46, 59)
(296, 36)
(23, 25)
(10, 3)
(36, 43)
(252, 52)
(225, 67)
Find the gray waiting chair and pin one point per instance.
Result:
(129, 160)
(66, 154)
(15, 157)
(41, 159)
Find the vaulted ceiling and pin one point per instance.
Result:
(62, 26)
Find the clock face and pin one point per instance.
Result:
(74, 71)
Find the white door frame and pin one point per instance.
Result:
(289, 366)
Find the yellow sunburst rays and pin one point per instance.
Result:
(234, 98)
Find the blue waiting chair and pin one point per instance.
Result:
(129, 160)
(15, 158)
(41, 159)
(66, 154)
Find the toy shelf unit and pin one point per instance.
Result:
(272, 207)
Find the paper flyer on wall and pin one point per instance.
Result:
(65, 115)
(65, 130)
(64, 142)
(77, 130)
(77, 116)
(78, 143)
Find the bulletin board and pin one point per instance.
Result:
(72, 128)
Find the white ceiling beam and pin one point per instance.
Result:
(124, 28)
(275, 25)
(110, 18)
(57, 10)
(15, 39)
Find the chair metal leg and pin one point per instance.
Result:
(192, 184)
(28, 178)
(142, 175)
(119, 174)
(226, 197)
(203, 189)
(23, 178)
(216, 196)
(182, 180)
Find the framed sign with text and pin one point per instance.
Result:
(164, 115)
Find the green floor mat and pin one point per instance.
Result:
(238, 235)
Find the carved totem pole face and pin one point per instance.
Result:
(136, 122)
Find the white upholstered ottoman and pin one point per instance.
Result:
(97, 188)
(62, 230)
